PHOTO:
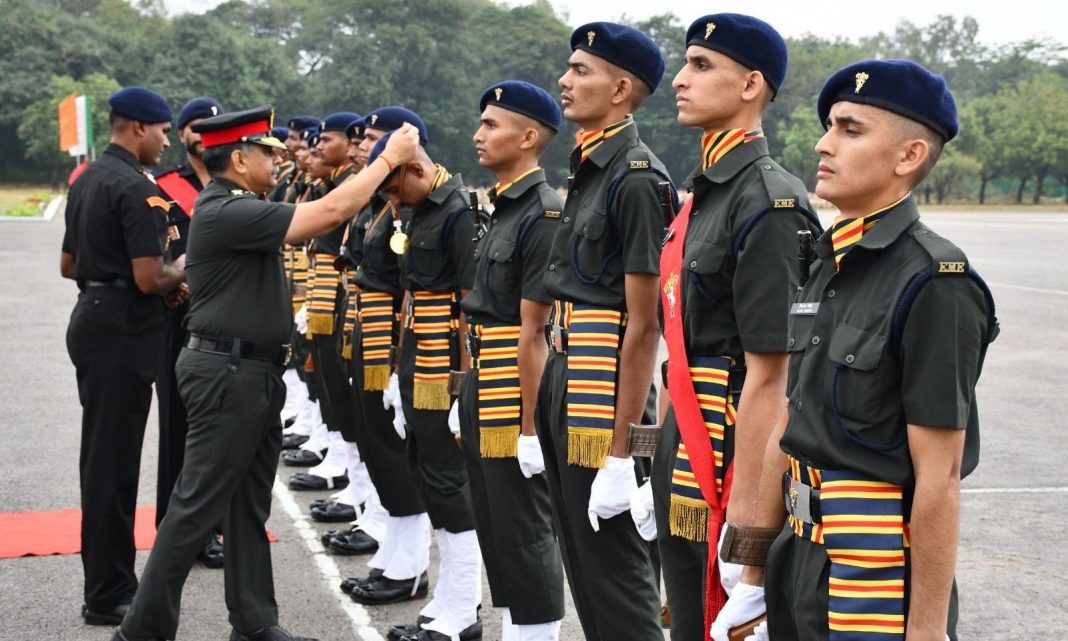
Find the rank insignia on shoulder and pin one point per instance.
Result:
(952, 267)
(156, 201)
(552, 214)
(238, 192)
(785, 203)
(639, 164)
(151, 178)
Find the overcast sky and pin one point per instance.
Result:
(999, 22)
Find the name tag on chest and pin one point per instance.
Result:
(804, 309)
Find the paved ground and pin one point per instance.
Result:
(1013, 567)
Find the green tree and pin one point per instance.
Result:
(799, 140)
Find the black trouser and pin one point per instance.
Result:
(235, 437)
(434, 456)
(610, 572)
(683, 561)
(114, 340)
(172, 418)
(331, 385)
(795, 590)
(513, 515)
(382, 449)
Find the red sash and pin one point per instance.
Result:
(178, 188)
(687, 412)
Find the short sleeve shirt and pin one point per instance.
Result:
(601, 239)
(379, 269)
(510, 258)
(114, 213)
(234, 266)
(441, 234)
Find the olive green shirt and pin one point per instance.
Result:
(441, 233)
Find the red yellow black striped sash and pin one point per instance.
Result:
(351, 312)
(499, 399)
(295, 262)
(688, 512)
(376, 318)
(322, 291)
(594, 336)
(433, 321)
(864, 533)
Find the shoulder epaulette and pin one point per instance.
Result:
(637, 158)
(551, 203)
(781, 190)
(946, 258)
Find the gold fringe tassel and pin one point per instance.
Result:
(432, 395)
(375, 378)
(498, 442)
(588, 447)
(319, 324)
(346, 347)
(688, 518)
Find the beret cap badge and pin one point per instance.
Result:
(861, 79)
(374, 118)
(498, 92)
(590, 35)
(709, 28)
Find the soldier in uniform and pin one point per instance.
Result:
(727, 275)
(181, 185)
(507, 310)
(886, 339)
(602, 272)
(437, 271)
(115, 247)
(230, 373)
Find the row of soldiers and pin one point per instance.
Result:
(489, 376)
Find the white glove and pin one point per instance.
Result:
(399, 423)
(300, 319)
(730, 574)
(760, 633)
(744, 605)
(611, 490)
(528, 452)
(641, 510)
(391, 394)
(454, 418)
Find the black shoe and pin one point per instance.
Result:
(333, 512)
(109, 617)
(293, 441)
(353, 542)
(472, 632)
(400, 630)
(330, 534)
(386, 590)
(273, 633)
(303, 481)
(302, 458)
(212, 555)
(348, 584)
(289, 421)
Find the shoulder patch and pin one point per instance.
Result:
(156, 201)
(551, 214)
(946, 258)
(639, 164)
(783, 189)
(785, 203)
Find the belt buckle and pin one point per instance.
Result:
(558, 339)
(288, 351)
(798, 498)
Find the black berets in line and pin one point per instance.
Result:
(523, 98)
(900, 86)
(338, 121)
(280, 132)
(354, 130)
(623, 46)
(203, 107)
(312, 136)
(250, 125)
(390, 118)
(750, 42)
(301, 123)
(140, 104)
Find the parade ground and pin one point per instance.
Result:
(1012, 564)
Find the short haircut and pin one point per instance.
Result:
(909, 129)
(545, 135)
(641, 91)
(217, 159)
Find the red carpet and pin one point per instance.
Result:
(59, 532)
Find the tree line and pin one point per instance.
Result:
(437, 56)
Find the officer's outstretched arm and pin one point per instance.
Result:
(320, 216)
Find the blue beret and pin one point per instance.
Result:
(203, 107)
(752, 43)
(900, 86)
(280, 132)
(379, 147)
(143, 105)
(390, 118)
(523, 98)
(303, 122)
(311, 136)
(355, 128)
(624, 47)
(338, 121)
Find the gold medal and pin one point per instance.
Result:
(399, 243)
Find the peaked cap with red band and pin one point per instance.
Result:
(251, 126)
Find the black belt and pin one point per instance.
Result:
(118, 283)
(802, 501)
(735, 380)
(556, 338)
(279, 355)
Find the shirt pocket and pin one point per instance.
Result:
(426, 260)
(589, 253)
(799, 330)
(501, 280)
(706, 283)
(860, 389)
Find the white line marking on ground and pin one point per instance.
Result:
(1015, 490)
(53, 207)
(1025, 288)
(328, 570)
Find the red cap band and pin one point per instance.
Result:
(234, 134)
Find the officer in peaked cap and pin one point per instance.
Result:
(230, 372)
(115, 248)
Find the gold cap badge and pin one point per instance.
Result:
(590, 35)
(861, 79)
(498, 92)
(709, 28)
(374, 119)
(214, 110)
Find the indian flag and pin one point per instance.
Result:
(76, 125)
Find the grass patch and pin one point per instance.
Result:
(24, 200)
